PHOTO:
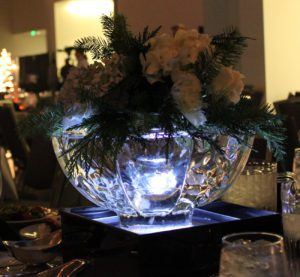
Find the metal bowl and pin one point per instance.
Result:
(34, 252)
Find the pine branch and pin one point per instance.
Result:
(226, 51)
(144, 38)
(229, 46)
(99, 136)
(207, 67)
(98, 47)
(108, 24)
(46, 123)
(247, 119)
(116, 31)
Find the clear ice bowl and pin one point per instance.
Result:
(143, 187)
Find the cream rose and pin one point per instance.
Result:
(229, 82)
(186, 92)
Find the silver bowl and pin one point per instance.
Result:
(35, 252)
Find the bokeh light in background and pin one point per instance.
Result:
(77, 19)
(87, 8)
(7, 72)
(281, 47)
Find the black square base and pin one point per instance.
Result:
(95, 234)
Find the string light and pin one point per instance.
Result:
(7, 72)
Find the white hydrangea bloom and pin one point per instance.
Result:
(169, 53)
(97, 78)
(68, 93)
(160, 57)
(229, 82)
(190, 43)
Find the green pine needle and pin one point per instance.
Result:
(45, 123)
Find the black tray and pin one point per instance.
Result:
(95, 234)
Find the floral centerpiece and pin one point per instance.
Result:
(132, 129)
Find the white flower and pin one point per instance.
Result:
(191, 43)
(168, 53)
(97, 79)
(160, 57)
(230, 83)
(150, 63)
(186, 92)
(197, 117)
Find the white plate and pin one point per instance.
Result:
(35, 231)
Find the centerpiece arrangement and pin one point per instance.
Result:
(158, 123)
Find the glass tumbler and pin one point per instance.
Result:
(256, 187)
(290, 199)
(296, 164)
(253, 254)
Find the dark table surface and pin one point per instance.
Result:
(111, 251)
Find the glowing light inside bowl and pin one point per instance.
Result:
(161, 183)
(154, 175)
(152, 183)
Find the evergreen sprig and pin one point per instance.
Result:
(227, 50)
(46, 123)
(246, 119)
(98, 47)
(229, 46)
(117, 39)
(126, 125)
(99, 136)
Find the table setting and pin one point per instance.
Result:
(31, 243)
(220, 228)
(153, 134)
(266, 240)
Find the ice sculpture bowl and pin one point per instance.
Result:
(143, 187)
